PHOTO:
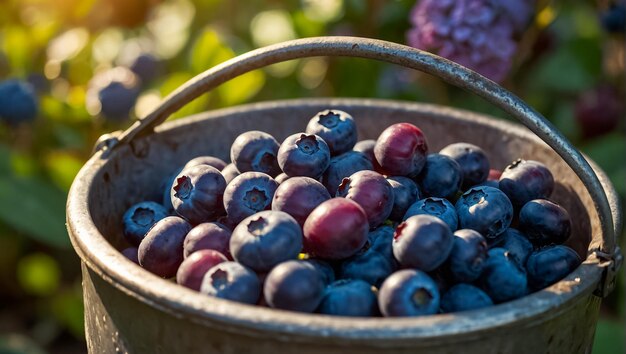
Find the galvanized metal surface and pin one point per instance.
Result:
(131, 310)
(412, 58)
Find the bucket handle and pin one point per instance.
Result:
(452, 73)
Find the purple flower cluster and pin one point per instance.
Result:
(479, 34)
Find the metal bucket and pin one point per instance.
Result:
(129, 310)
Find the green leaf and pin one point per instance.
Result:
(67, 307)
(39, 274)
(563, 71)
(17, 46)
(196, 106)
(604, 151)
(609, 337)
(35, 208)
(242, 88)
(62, 168)
(204, 50)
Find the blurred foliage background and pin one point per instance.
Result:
(93, 66)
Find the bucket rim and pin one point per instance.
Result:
(109, 264)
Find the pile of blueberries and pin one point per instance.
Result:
(323, 223)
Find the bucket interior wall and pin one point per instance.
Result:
(140, 173)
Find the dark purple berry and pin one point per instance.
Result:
(208, 236)
(472, 160)
(467, 258)
(405, 193)
(372, 192)
(132, 253)
(336, 229)
(523, 181)
(441, 177)
(438, 207)
(232, 281)
(349, 298)
(298, 196)
(614, 18)
(193, 268)
(117, 99)
(197, 194)
(545, 222)
(303, 155)
(464, 297)
(486, 210)
(343, 166)
(422, 242)
(408, 292)
(503, 278)
(550, 264)
(294, 286)
(139, 218)
(599, 110)
(265, 239)
(247, 194)
(255, 151)
(161, 251)
(337, 128)
(401, 150)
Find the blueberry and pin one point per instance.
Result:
(230, 172)
(438, 207)
(206, 160)
(366, 147)
(336, 229)
(197, 194)
(132, 253)
(372, 192)
(614, 18)
(405, 193)
(337, 128)
(472, 160)
(464, 297)
(161, 251)
(408, 292)
(298, 196)
(18, 102)
(516, 243)
(294, 286)
(368, 265)
(349, 298)
(324, 268)
(255, 151)
(139, 218)
(232, 281)
(545, 222)
(193, 268)
(441, 176)
(147, 67)
(487, 183)
(423, 242)
(248, 193)
(281, 178)
(486, 210)
(550, 264)
(343, 166)
(303, 155)
(401, 150)
(381, 240)
(467, 258)
(523, 181)
(211, 236)
(265, 239)
(503, 279)
(117, 99)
